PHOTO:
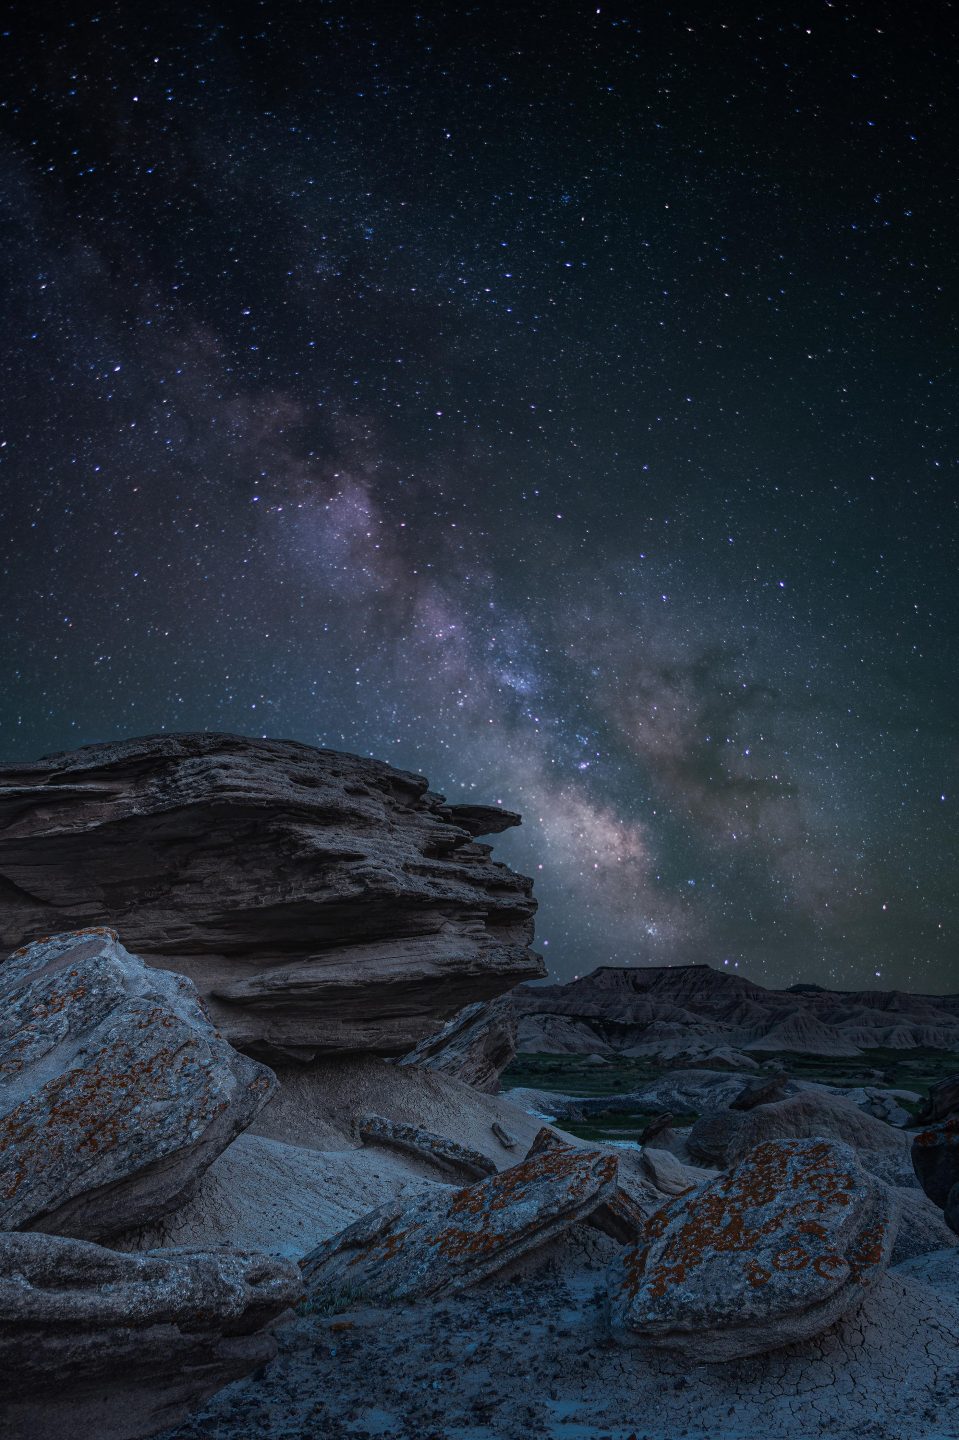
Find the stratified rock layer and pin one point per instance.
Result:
(95, 1343)
(769, 1254)
(116, 1092)
(475, 1046)
(319, 901)
(443, 1242)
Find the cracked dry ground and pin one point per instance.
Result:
(529, 1357)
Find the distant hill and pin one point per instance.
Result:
(674, 1011)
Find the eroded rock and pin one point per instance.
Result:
(100, 1344)
(445, 1154)
(444, 1242)
(935, 1159)
(116, 1092)
(320, 902)
(941, 1102)
(475, 1046)
(721, 1138)
(769, 1254)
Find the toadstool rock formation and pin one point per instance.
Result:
(95, 1343)
(769, 1254)
(116, 1092)
(319, 901)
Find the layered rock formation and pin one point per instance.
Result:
(690, 1011)
(94, 1343)
(767, 1255)
(319, 901)
(116, 1092)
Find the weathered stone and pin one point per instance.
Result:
(624, 1213)
(670, 1175)
(448, 1155)
(659, 1128)
(762, 1092)
(723, 1137)
(770, 1254)
(99, 1344)
(507, 1141)
(444, 1242)
(935, 1159)
(941, 1102)
(475, 1046)
(116, 1092)
(320, 902)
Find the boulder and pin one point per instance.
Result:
(762, 1092)
(447, 1240)
(624, 1213)
(770, 1254)
(95, 1343)
(941, 1102)
(475, 1046)
(116, 1092)
(447, 1155)
(723, 1137)
(935, 1159)
(321, 902)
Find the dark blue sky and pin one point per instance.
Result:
(558, 401)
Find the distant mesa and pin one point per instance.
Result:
(686, 1013)
(320, 902)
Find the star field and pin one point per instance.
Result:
(559, 402)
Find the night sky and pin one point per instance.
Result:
(557, 401)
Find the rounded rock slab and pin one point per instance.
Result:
(767, 1255)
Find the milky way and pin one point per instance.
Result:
(554, 404)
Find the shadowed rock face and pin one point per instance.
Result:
(475, 1046)
(319, 901)
(767, 1255)
(116, 1092)
(95, 1343)
(935, 1159)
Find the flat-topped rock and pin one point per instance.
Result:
(444, 1241)
(321, 902)
(112, 1346)
(772, 1253)
(116, 1092)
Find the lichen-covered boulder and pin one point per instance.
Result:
(624, 1213)
(935, 1159)
(445, 1154)
(95, 1343)
(116, 1091)
(772, 1253)
(445, 1241)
